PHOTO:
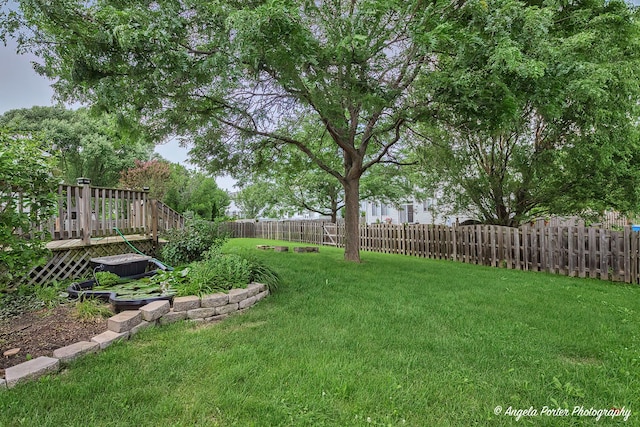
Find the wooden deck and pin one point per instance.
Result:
(61, 245)
(71, 259)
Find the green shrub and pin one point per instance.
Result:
(27, 196)
(217, 272)
(190, 243)
(259, 271)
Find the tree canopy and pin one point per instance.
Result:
(238, 79)
(193, 191)
(83, 144)
(537, 112)
(255, 199)
(235, 76)
(153, 174)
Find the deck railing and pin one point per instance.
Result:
(84, 212)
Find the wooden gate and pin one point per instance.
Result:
(330, 234)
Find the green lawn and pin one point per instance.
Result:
(392, 341)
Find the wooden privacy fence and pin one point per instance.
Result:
(572, 251)
(84, 212)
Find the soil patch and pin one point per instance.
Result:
(39, 333)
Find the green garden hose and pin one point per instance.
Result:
(160, 264)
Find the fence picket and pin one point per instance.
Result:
(604, 258)
(571, 250)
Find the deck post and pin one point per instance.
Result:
(84, 210)
(154, 220)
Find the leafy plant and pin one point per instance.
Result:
(14, 303)
(91, 309)
(160, 284)
(171, 278)
(27, 196)
(190, 243)
(259, 271)
(27, 298)
(105, 279)
(217, 272)
(50, 295)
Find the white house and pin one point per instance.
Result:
(412, 211)
(235, 211)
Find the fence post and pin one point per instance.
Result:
(403, 238)
(84, 210)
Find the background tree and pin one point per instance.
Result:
(179, 180)
(84, 145)
(293, 188)
(227, 75)
(254, 199)
(27, 196)
(295, 183)
(205, 198)
(154, 174)
(195, 192)
(308, 190)
(537, 112)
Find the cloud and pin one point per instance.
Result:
(20, 85)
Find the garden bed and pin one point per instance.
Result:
(38, 333)
(207, 308)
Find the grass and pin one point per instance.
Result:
(90, 309)
(392, 341)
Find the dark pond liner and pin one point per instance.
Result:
(124, 265)
(83, 290)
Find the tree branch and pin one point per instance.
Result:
(387, 147)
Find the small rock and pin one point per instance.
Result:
(11, 352)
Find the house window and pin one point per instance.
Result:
(409, 213)
(384, 210)
(373, 209)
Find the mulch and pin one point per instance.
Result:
(41, 332)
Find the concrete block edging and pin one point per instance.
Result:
(122, 326)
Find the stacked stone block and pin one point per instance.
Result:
(124, 324)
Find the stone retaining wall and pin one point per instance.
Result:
(127, 323)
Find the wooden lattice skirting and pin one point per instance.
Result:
(74, 263)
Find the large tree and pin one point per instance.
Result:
(84, 145)
(228, 75)
(292, 182)
(254, 200)
(537, 112)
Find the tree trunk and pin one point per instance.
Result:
(352, 219)
(334, 211)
